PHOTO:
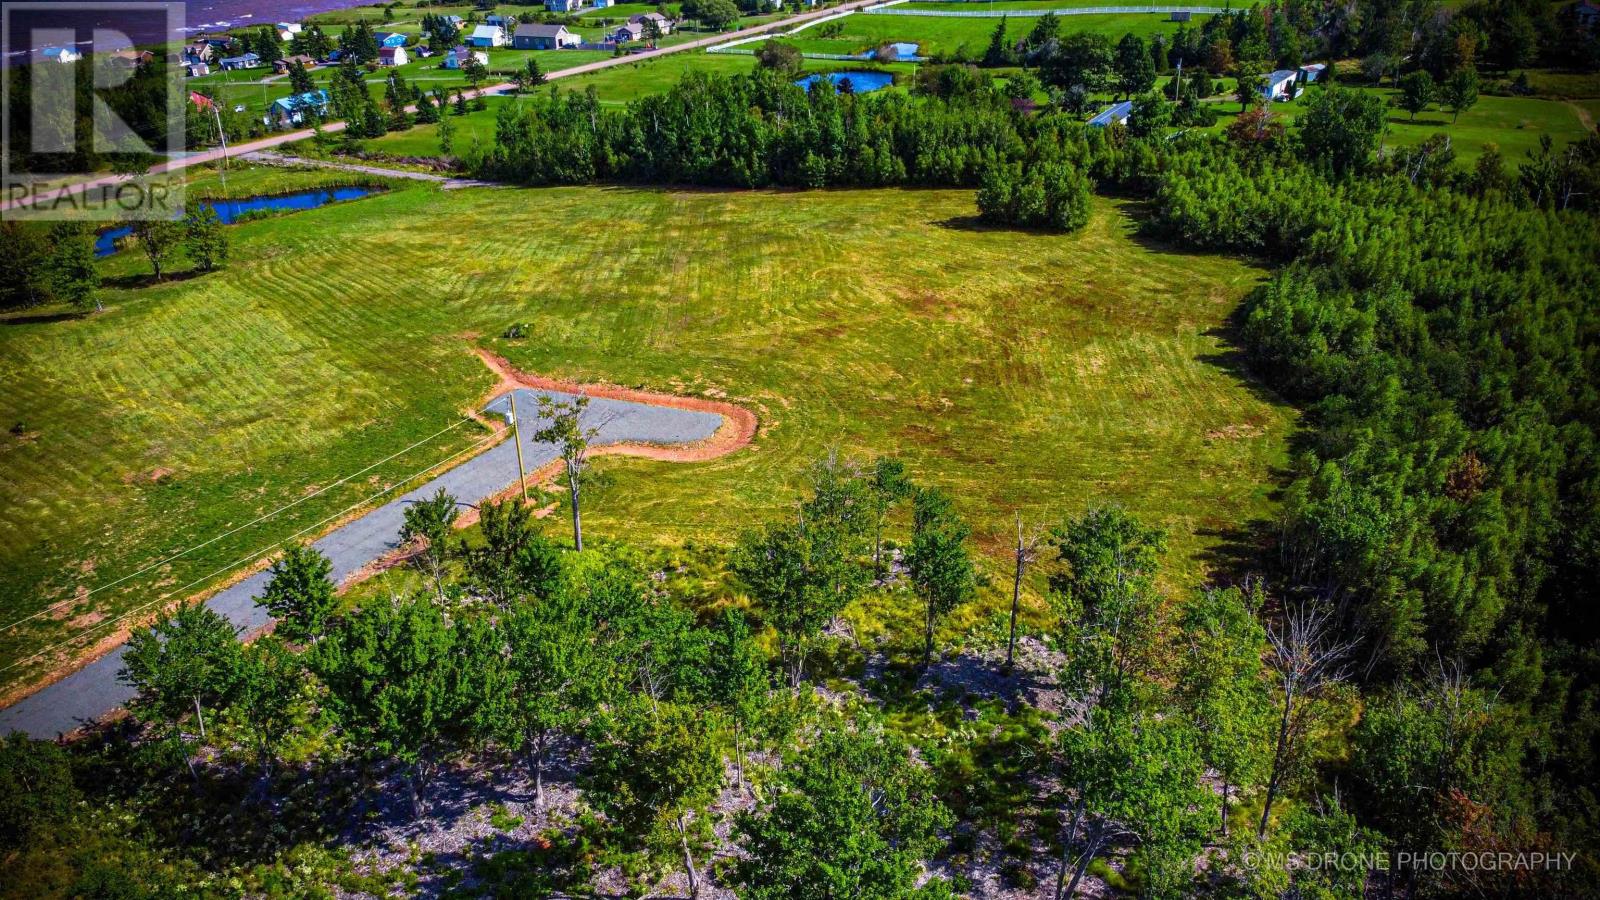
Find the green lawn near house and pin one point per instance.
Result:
(1018, 370)
(1514, 124)
(947, 35)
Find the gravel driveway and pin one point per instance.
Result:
(94, 690)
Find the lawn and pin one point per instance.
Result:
(1514, 124)
(945, 34)
(1018, 370)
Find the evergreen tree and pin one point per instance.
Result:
(300, 593)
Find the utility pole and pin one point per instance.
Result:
(516, 437)
(222, 136)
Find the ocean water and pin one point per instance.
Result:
(147, 27)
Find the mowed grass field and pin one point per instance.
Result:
(1020, 371)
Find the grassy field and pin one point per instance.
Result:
(1019, 370)
(945, 35)
(1514, 124)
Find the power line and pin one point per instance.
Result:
(257, 554)
(258, 520)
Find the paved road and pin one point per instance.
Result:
(94, 690)
(105, 182)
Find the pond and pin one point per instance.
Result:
(230, 211)
(860, 82)
(900, 51)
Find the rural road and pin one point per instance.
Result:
(93, 691)
(288, 137)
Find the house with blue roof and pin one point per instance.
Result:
(390, 39)
(1281, 85)
(292, 110)
(1115, 114)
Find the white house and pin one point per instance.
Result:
(392, 56)
(564, 6)
(457, 58)
(60, 54)
(487, 36)
(287, 30)
(1281, 85)
(627, 31)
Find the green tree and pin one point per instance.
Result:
(185, 663)
(204, 240)
(1109, 606)
(802, 574)
(1221, 686)
(158, 238)
(37, 793)
(564, 427)
(998, 53)
(300, 593)
(265, 695)
(1081, 61)
(534, 76)
(888, 484)
(780, 57)
(855, 816)
(715, 14)
(1250, 83)
(514, 558)
(73, 275)
(1139, 779)
(447, 130)
(938, 562)
(1340, 127)
(1416, 92)
(1460, 91)
(542, 684)
(738, 680)
(657, 773)
(1136, 72)
(427, 526)
(300, 81)
(395, 684)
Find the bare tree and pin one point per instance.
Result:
(566, 429)
(1027, 551)
(1307, 657)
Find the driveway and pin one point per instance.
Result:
(93, 691)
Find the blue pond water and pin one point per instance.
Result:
(903, 52)
(229, 211)
(860, 82)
